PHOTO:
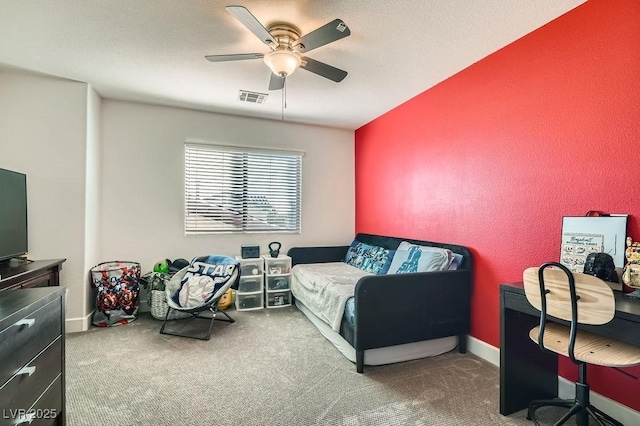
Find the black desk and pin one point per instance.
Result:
(526, 372)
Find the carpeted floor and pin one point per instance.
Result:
(271, 367)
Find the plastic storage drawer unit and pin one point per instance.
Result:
(250, 267)
(248, 301)
(278, 299)
(250, 284)
(278, 282)
(275, 266)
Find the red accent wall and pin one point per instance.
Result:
(493, 157)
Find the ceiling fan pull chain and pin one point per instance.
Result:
(282, 98)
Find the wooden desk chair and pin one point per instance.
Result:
(579, 299)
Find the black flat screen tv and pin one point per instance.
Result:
(13, 214)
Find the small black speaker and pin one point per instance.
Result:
(250, 252)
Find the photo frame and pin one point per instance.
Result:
(582, 235)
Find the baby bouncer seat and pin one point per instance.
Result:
(198, 288)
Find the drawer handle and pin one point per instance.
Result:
(27, 419)
(26, 321)
(27, 370)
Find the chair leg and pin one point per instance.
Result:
(575, 409)
(164, 323)
(195, 316)
(213, 318)
(602, 415)
(579, 406)
(590, 412)
(229, 319)
(534, 405)
(583, 412)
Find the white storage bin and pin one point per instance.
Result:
(249, 301)
(278, 299)
(278, 265)
(251, 283)
(278, 282)
(250, 266)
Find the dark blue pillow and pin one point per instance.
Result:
(369, 258)
(387, 264)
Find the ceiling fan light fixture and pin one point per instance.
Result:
(282, 62)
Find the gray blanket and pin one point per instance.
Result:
(325, 287)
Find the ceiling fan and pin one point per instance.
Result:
(287, 47)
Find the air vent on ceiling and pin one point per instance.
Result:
(252, 97)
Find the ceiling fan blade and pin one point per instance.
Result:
(276, 82)
(334, 30)
(248, 20)
(323, 70)
(239, 57)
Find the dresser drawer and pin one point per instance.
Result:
(23, 340)
(49, 406)
(22, 390)
(46, 410)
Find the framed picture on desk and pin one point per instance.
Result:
(582, 235)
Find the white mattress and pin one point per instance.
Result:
(380, 356)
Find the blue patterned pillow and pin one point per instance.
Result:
(369, 258)
(387, 264)
(414, 258)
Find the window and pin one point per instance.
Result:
(231, 189)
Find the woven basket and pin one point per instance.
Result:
(159, 307)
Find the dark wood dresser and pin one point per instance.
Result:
(37, 273)
(32, 356)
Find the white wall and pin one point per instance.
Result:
(93, 200)
(106, 178)
(143, 181)
(43, 130)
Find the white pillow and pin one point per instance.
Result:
(196, 291)
(414, 258)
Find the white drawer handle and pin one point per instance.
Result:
(26, 321)
(27, 370)
(26, 419)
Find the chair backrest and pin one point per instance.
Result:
(551, 292)
(203, 282)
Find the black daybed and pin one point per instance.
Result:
(397, 310)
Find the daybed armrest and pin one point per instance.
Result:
(317, 254)
(402, 308)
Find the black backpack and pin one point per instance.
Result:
(601, 265)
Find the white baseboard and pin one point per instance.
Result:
(484, 350)
(75, 325)
(566, 388)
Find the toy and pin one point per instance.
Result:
(162, 266)
(226, 300)
(631, 274)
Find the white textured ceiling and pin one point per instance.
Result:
(153, 50)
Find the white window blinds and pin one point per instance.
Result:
(230, 189)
